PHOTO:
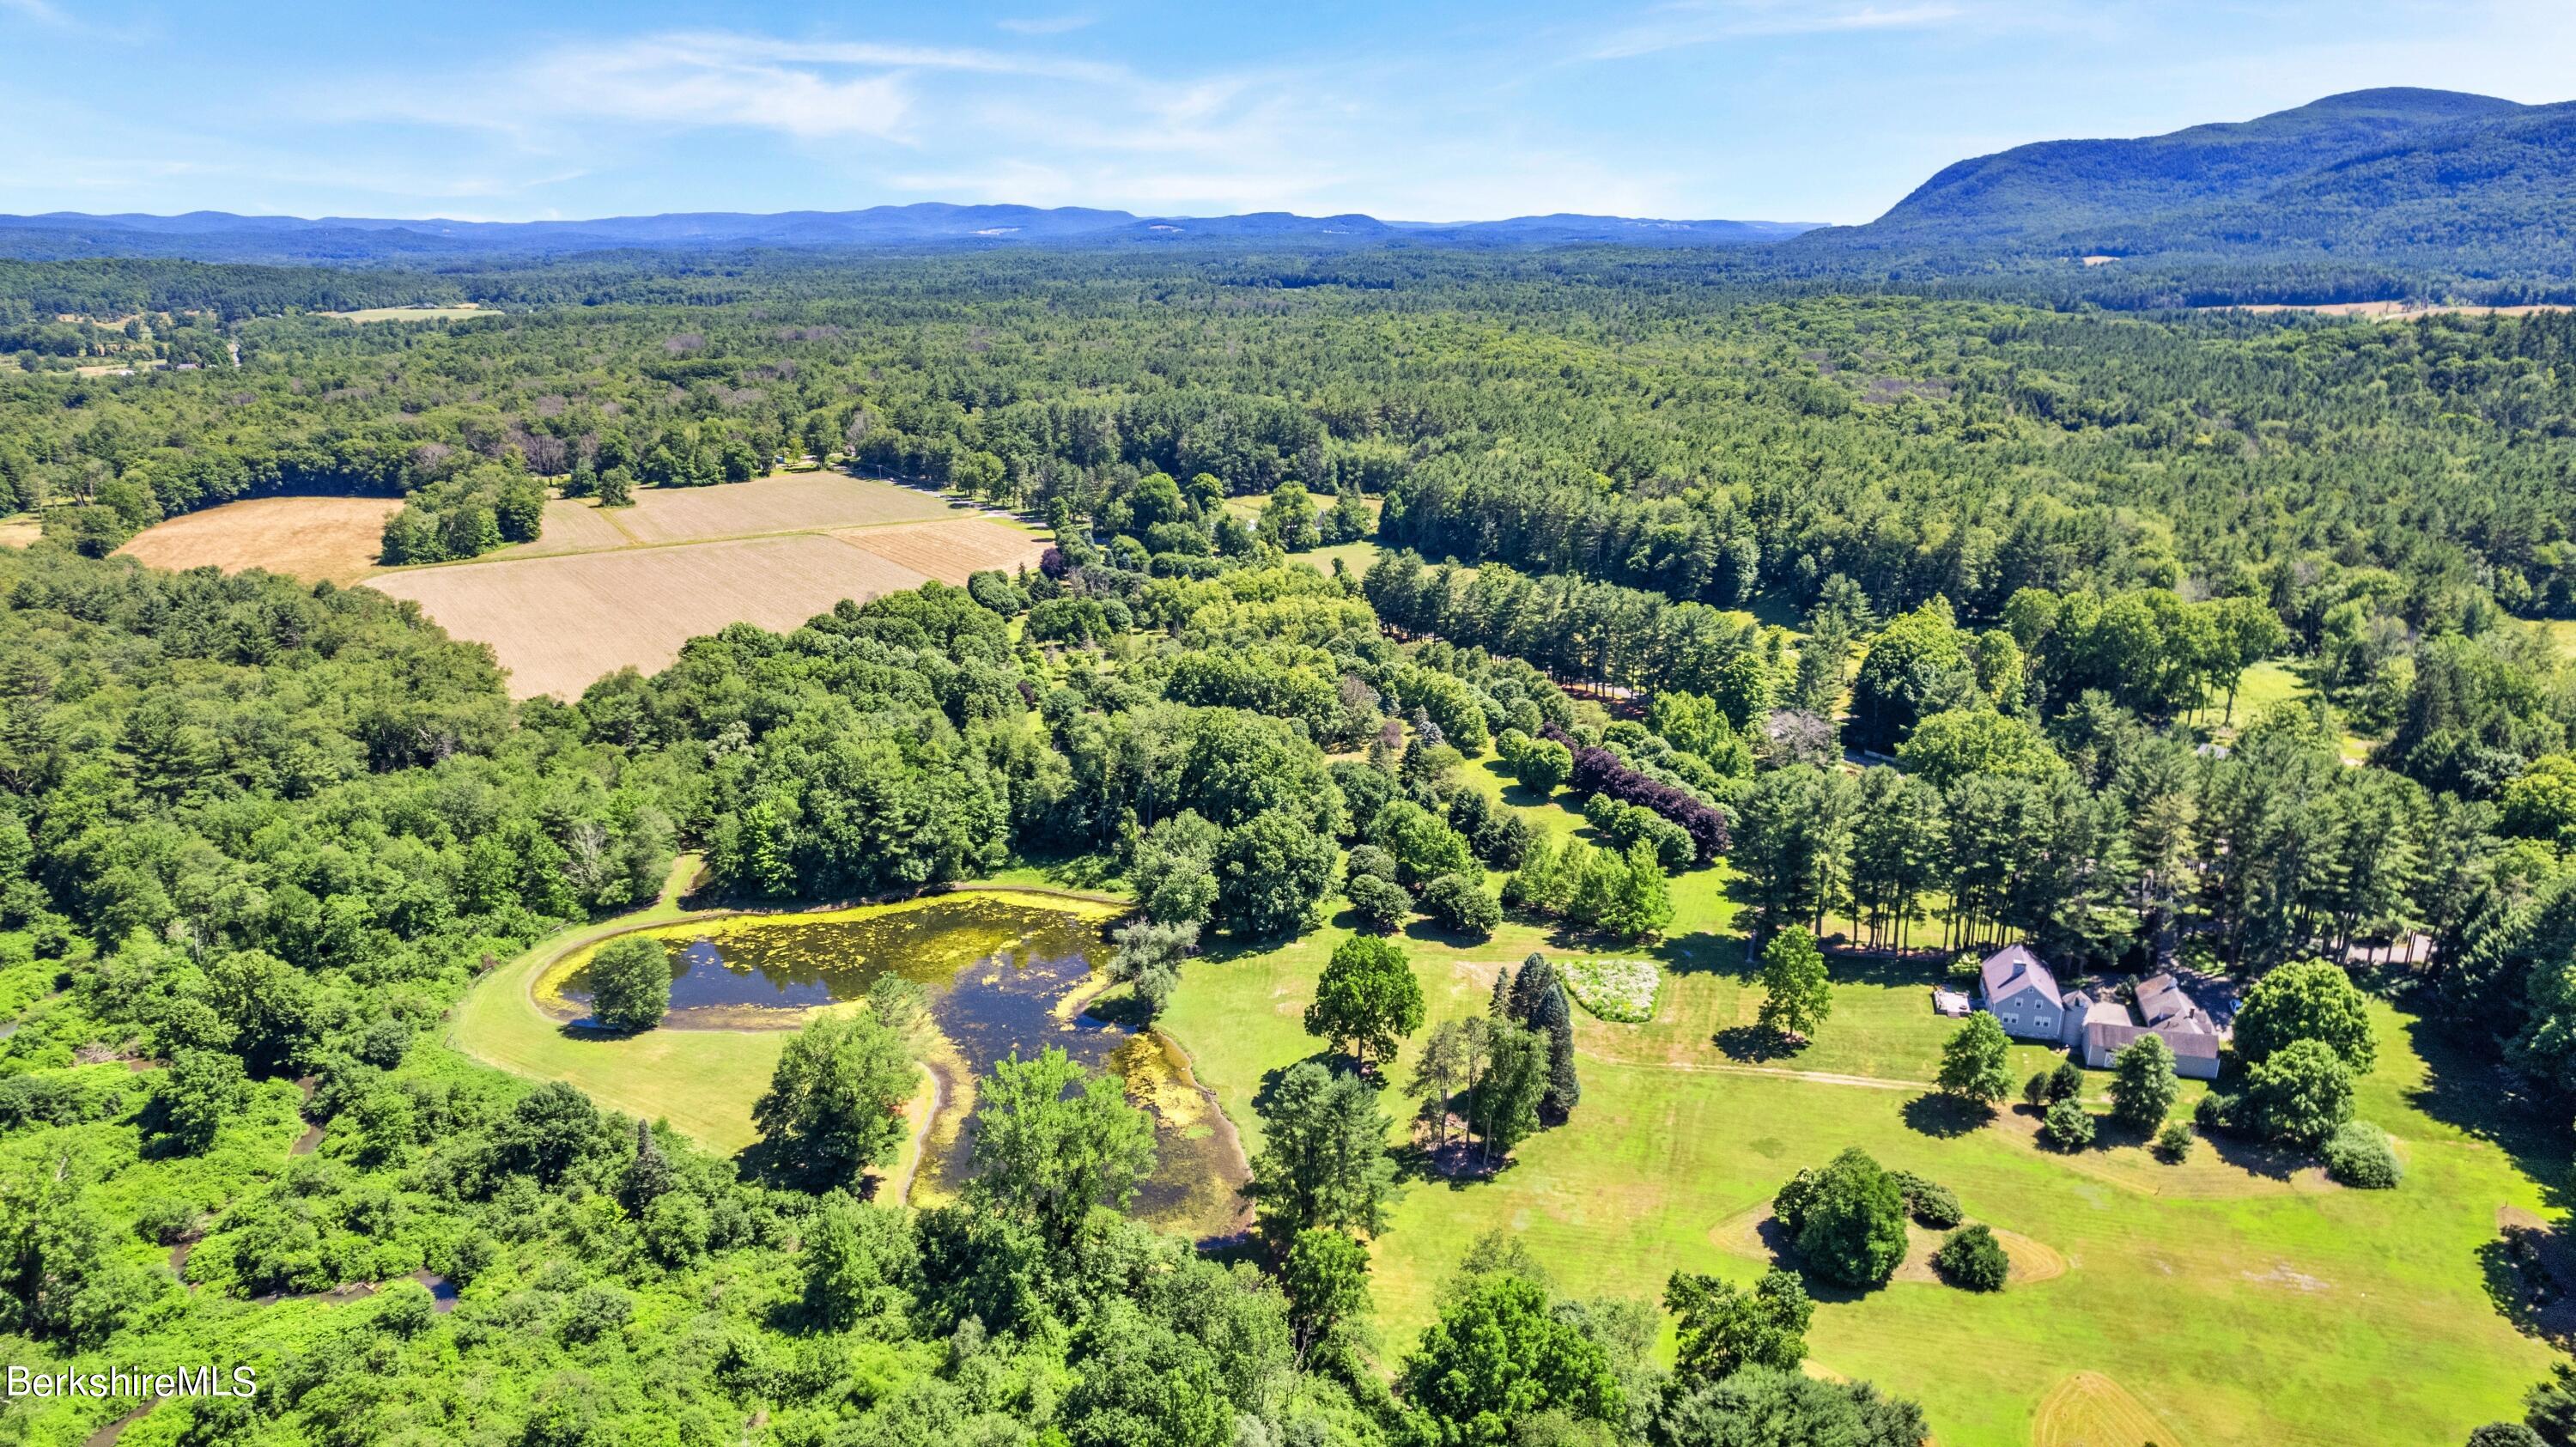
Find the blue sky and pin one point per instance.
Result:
(1815, 110)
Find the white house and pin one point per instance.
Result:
(2023, 996)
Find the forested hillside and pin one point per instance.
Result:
(2037, 193)
(2363, 196)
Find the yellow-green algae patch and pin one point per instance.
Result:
(821, 955)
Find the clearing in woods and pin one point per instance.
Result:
(560, 624)
(456, 313)
(799, 502)
(2246, 1297)
(605, 588)
(2392, 311)
(309, 538)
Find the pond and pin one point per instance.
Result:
(1004, 973)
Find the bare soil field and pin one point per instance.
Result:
(311, 538)
(411, 313)
(559, 624)
(576, 525)
(783, 502)
(950, 550)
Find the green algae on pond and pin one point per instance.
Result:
(1006, 974)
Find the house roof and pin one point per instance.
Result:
(2162, 1001)
(2106, 1012)
(2013, 969)
(2116, 1038)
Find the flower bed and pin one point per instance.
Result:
(1621, 991)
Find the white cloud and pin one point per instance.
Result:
(859, 118)
(1707, 22)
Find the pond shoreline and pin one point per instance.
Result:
(1012, 969)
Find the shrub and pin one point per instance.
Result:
(2174, 1142)
(2359, 1155)
(1972, 1260)
(165, 1220)
(1380, 902)
(1598, 771)
(2216, 1111)
(1929, 1202)
(1967, 970)
(1460, 905)
(2067, 1126)
(2065, 1082)
(1849, 1220)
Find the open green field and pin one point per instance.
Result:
(2561, 631)
(2274, 681)
(701, 1081)
(2235, 1298)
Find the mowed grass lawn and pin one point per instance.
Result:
(2275, 681)
(701, 1081)
(2241, 1299)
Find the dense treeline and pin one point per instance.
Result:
(266, 833)
(255, 834)
(1602, 415)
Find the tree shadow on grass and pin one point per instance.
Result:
(2526, 1271)
(1423, 931)
(1752, 1044)
(1456, 1164)
(1946, 1117)
(2258, 1158)
(2481, 1096)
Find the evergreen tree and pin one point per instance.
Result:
(648, 1174)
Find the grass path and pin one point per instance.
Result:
(700, 1081)
(2247, 1298)
(657, 1075)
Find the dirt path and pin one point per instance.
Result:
(900, 1188)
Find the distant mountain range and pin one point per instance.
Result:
(2373, 186)
(221, 236)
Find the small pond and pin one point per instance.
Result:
(1004, 973)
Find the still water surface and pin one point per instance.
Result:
(1004, 975)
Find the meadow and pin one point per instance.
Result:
(2237, 1297)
